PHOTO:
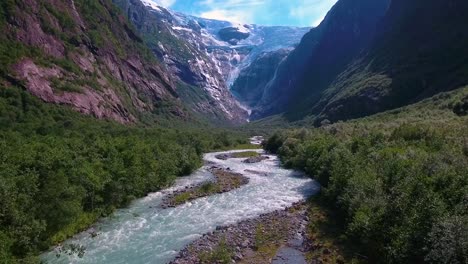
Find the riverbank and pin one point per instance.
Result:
(300, 234)
(303, 233)
(251, 241)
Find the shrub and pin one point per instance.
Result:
(389, 188)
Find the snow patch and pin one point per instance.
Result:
(182, 28)
(241, 28)
(151, 4)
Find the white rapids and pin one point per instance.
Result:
(146, 233)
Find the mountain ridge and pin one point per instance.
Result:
(195, 51)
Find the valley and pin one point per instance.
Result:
(148, 232)
(151, 131)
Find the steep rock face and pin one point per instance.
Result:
(249, 86)
(178, 42)
(187, 43)
(83, 54)
(233, 35)
(422, 49)
(322, 54)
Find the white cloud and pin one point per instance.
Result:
(165, 3)
(239, 11)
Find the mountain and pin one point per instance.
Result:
(370, 56)
(322, 54)
(178, 46)
(86, 55)
(252, 80)
(421, 50)
(206, 55)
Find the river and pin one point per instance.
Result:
(146, 233)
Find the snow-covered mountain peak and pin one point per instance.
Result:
(207, 53)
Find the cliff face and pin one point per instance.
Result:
(250, 85)
(371, 56)
(83, 54)
(421, 50)
(322, 54)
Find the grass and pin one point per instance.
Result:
(329, 243)
(268, 240)
(270, 236)
(182, 198)
(208, 188)
(221, 254)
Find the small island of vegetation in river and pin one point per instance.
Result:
(224, 181)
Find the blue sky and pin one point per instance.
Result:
(262, 12)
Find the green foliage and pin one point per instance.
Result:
(6, 10)
(266, 236)
(208, 188)
(222, 254)
(65, 20)
(399, 188)
(60, 171)
(449, 241)
(64, 86)
(182, 198)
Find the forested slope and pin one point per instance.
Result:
(397, 180)
(60, 171)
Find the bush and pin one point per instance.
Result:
(449, 241)
(390, 188)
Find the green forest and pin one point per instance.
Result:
(105, 101)
(398, 180)
(60, 171)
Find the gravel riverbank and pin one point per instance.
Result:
(276, 237)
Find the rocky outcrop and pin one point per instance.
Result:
(233, 35)
(87, 101)
(250, 85)
(85, 55)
